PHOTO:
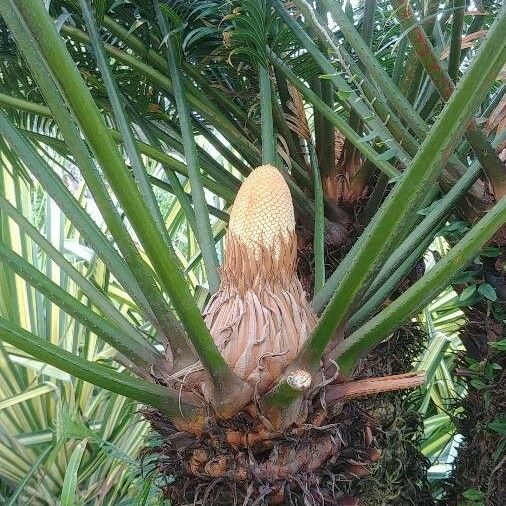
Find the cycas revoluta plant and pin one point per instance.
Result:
(251, 393)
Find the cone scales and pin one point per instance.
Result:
(259, 318)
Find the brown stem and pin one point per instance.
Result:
(371, 386)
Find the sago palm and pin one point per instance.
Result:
(278, 131)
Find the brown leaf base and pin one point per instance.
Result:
(240, 462)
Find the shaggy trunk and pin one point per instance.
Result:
(345, 184)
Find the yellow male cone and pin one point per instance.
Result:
(259, 318)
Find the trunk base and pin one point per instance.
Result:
(331, 457)
(238, 461)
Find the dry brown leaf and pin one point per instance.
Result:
(497, 119)
(339, 141)
(467, 42)
(283, 151)
(297, 121)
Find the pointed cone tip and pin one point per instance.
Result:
(262, 214)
